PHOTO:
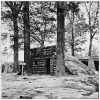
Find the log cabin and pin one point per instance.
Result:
(43, 60)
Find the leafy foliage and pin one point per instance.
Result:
(92, 9)
(42, 21)
(75, 27)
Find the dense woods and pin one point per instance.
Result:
(50, 49)
(38, 23)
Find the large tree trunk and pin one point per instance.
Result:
(15, 69)
(60, 65)
(15, 9)
(27, 38)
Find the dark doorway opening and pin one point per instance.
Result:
(95, 62)
(96, 65)
(20, 70)
(85, 62)
(48, 65)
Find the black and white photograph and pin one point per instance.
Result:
(49, 49)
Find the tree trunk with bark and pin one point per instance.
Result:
(72, 35)
(15, 8)
(60, 64)
(28, 68)
(90, 45)
(15, 69)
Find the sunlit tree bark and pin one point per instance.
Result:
(60, 64)
(27, 38)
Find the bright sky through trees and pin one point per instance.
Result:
(4, 28)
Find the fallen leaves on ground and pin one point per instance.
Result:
(48, 87)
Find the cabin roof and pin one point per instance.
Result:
(45, 47)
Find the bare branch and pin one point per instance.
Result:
(36, 37)
(96, 14)
(12, 3)
(88, 11)
(20, 7)
(94, 33)
(90, 6)
(9, 5)
(86, 8)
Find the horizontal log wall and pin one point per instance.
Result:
(39, 57)
(39, 68)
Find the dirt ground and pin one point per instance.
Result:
(46, 87)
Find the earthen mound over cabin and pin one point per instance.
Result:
(44, 62)
(94, 58)
(76, 67)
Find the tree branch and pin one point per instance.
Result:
(20, 7)
(86, 8)
(94, 34)
(96, 15)
(36, 37)
(9, 5)
(90, 5)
